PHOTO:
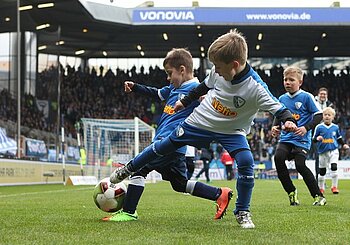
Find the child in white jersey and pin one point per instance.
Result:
(178, 65)
(328, 138)
(234, 94)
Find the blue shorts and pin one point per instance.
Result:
(169, 166)
(186, 134)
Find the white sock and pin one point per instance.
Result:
(321, 182)
(334, 175)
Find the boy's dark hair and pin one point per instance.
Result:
(179, 57)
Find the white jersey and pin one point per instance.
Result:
(230, 106)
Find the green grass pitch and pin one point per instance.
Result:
(57, 214)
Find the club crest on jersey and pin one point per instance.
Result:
(180, 131)
(238, 101)
(298, 105)
(180, 96)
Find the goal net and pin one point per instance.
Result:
(118, 140)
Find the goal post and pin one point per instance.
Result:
(117, 139)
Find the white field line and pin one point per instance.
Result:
(41, 192)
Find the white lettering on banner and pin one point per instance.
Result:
(214, 173)
(167, 15)
(36, 146)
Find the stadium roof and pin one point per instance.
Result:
(120, 40)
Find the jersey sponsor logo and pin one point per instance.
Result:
(223, 109)
(296, 116)
(328, 141)
(298, 105)
(168, 109)
(238, 101)
(180, 131)
(166, 15)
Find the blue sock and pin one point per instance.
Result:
(245, 180)
(132, 198)
(244, 193)
(206, 191)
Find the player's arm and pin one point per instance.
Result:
(286, 117)
(317, 137)
(301, 131)
(315, 121)
(342, 143)
(193, 95)
(130, 86)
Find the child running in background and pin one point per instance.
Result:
(295, 145)
(178, 65)
(234, 94)
(328, 138)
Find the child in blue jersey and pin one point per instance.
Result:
(328, 138)
(234, 94)
(295, 145)
(178, 65)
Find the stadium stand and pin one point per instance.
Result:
(90, 94)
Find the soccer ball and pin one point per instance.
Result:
(109, 197)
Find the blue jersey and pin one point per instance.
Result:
(330, 134)
(303, 107)
(169, 120)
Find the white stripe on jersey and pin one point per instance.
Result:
(231, 108)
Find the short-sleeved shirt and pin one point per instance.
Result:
(303, 107)
(230, 107)
(330, 134)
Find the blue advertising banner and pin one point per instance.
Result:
(35, 148)
(246, 16)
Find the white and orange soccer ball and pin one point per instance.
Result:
(109, 197)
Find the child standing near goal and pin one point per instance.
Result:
(234, 94)
(295, 145)
(178, 65)
(328, 138)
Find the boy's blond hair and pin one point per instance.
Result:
(229, 47)
(294, 70)
(329, 110)
(179, 57)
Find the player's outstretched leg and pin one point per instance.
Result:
(222, 202)
(221, 196)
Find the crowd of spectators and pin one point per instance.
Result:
(99, 94)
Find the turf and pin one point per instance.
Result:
(57, 214)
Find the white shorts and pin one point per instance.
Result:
(328, 157)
